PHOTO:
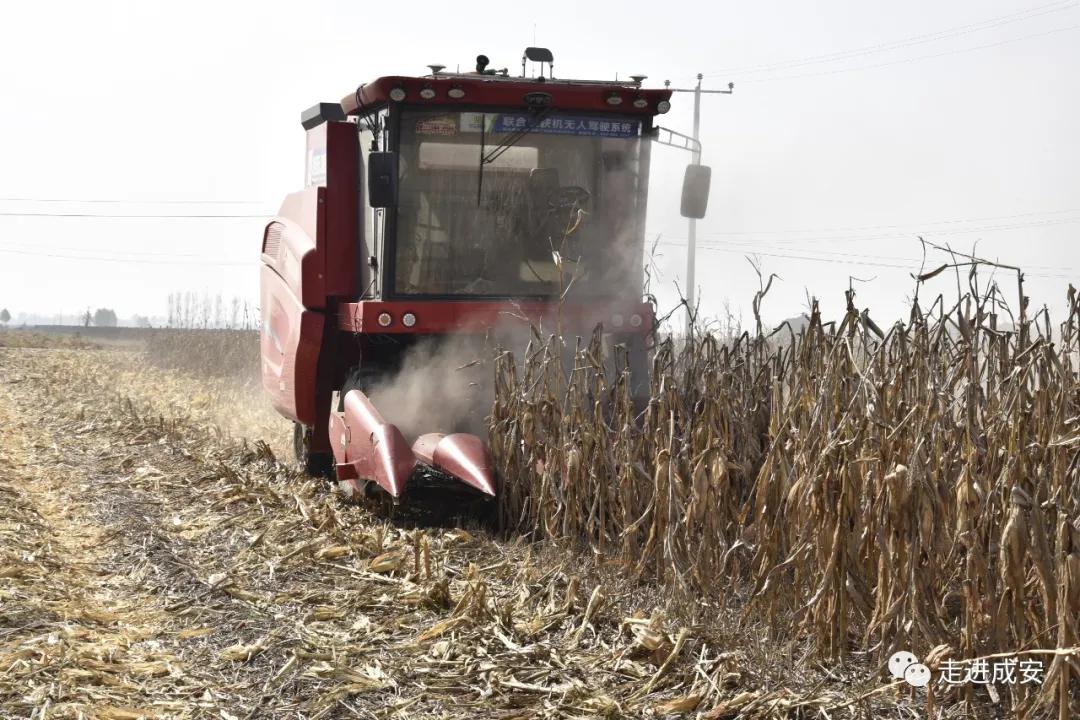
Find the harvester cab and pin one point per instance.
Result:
(440, 209)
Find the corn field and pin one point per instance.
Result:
(212, 353)
(863, 490)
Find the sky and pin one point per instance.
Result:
(854, 128)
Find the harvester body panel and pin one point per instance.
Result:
(473, 316)
(291, 343)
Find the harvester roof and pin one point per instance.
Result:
(470, 89)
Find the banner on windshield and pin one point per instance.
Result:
(577, 125)
(567, 125)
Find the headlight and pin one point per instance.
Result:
(617, 320)
(428, 93)
(640, 102)
(385, 319)
(397, 94)
(613, 99)
(456, 93)
(408, 319)
(635, 320)
(663, 106)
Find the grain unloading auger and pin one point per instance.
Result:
(443, 207)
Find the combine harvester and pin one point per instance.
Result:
(442, 207)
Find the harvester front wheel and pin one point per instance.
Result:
(313, 463)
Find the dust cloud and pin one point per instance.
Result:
(442, 386)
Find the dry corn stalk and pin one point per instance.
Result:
(909, 488)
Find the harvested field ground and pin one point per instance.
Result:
(152, 565)
(756, 543)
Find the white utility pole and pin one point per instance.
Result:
(691, 230)
(691, 250)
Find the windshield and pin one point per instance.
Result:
(554, 211)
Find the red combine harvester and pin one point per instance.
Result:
(444, 207)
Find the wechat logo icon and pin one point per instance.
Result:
(905, 666)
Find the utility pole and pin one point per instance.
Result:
(691, 236)
(691, 230)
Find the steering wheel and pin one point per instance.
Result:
(568, 197)
(559, 216)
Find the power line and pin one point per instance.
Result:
(912, 266)
(780, 252)
(859, 228)
(135, 261)
(190, 216)
(947, 33)
(753, 247)
(917, 230)
(1008, 41)
(81, 201)
(788, 256)
(29, 247)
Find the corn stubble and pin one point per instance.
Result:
(868, 491)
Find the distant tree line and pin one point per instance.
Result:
(105, 317)
(186, 310)
(190, 311)
(102, 317)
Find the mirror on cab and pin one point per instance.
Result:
(695, 191)
(382, 179)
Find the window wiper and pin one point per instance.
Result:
(514, 137)
(505, 145)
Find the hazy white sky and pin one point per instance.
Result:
(854, 127)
